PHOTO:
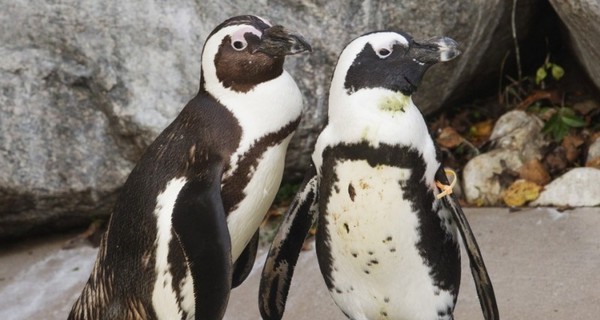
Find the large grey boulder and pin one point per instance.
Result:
(86, 85)
(582, 18)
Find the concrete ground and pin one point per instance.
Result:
(544, 264)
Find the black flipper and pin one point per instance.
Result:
(243, 265)
(485, 290)
(285, 249)
(200, 225)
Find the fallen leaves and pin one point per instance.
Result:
(556, 160)
(571, 143)
(535, 172)
(449, 138)
(521, 192)
(480, 132)
(593, 163)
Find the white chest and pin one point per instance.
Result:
(377, 271)
(259, 194)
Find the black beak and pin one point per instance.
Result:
(276, 41)
(434, 50)
(424, 54)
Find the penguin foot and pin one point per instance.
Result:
(446, 189)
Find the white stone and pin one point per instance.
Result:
(594, 150)
(578, 187)
(481, 175)
(519, 131)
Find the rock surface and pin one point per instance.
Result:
(518, 140)
(520, 132)
(577, 188)
(593, 154)
(87, 85)
(582, 18)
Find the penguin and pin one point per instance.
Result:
(387, 236)
(184, 230)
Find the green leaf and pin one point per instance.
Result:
(545, 109)
(560, 133)
(555, 128)
(572, 121)
(557, 72)
(565, 111)
(540, 75)
(551, 124)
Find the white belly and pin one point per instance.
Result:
(164, 299)
(377, 271)
(259, 195)
(242, 223)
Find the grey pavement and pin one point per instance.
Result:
(544, 265)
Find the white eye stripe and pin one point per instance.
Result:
(238, 39)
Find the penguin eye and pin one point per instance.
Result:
(239, 45)
(384, 53)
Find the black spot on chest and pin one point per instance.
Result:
(438, 250)
(351, 191)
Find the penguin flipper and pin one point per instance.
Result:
(485, 290)
(243, 265)
(200, 224)
(285, 249)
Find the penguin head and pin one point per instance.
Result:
(245, 51)
(389, 60)
(376, 74)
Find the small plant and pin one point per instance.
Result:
(559, 124)
(556, 71)
(560, 119)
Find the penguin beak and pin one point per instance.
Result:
(276, 41)
(425, 54)
(432, 51)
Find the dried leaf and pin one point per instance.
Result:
(534, 171)
(593, 163)
(546, 113)
(593, 137)
(556, 161)
(483, 129)
(520, 192)
(449, 138)
(571, 144)
(586, 106)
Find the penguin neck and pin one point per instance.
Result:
(268, 108)
(377, 115)
(265, 108)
